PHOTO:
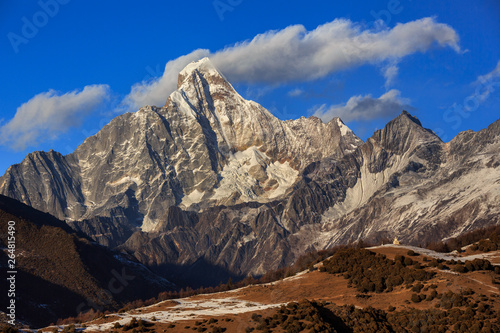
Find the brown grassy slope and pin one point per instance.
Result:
(469, 299)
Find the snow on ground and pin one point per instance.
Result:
(438, 255)
(196, 307)
(189, 309)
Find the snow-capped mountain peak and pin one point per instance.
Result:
(203, 67)
(188, 153)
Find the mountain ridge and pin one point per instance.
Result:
(372, 194)
(212, 180)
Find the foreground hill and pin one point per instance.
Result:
(432, 295)
(60, 274)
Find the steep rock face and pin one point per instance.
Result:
(403, 182)
(417, 188)
(46, 180)
(207, 146)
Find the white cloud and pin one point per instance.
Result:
(485, 85)
(295, 54)
(390, 73)
(295, 92)
(365, 107)
(49, 114)
(483, 79)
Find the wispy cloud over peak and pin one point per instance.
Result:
(294, 54)
(295, 92)
(364, 108)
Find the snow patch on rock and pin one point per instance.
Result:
(251, 170)
(344, 130)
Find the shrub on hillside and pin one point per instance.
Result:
(370, 272)
(488, 240)
(307, 316)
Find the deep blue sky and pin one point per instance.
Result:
(121, 43)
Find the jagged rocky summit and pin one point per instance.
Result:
(206, 146)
